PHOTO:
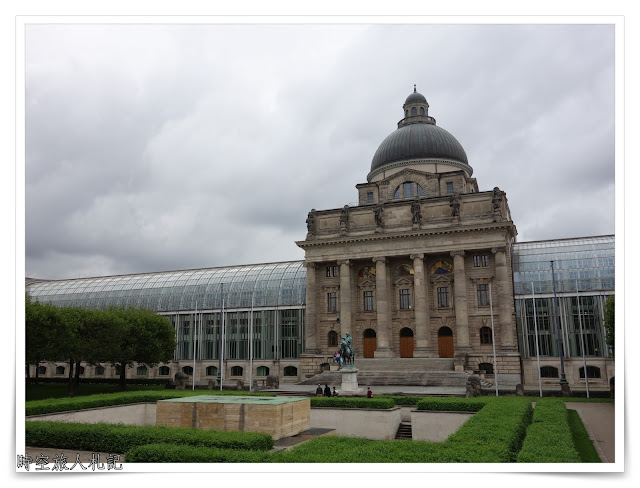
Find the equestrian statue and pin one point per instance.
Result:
(347, 354)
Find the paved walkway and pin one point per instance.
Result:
(599, 420)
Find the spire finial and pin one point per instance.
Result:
(414, 88)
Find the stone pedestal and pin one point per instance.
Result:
(349, 380)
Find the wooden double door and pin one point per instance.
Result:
(445, 342)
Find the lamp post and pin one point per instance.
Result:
(564, 384)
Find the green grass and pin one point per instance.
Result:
(581, 441)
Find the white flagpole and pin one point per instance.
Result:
(193, 373)
(535, 325)
(251, 347)
(493, 342)
(222, 349)
(584, 359)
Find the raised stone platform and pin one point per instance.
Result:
(277, 416)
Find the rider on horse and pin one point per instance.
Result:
(346, 350)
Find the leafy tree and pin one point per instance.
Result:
(610, 322)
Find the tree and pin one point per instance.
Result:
(609, 323)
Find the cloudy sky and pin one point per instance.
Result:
(157, 147)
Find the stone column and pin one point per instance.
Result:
(345, 298)
(383, 316)
(505, 317)
(420, 307)
(460, 302)
(311, 323)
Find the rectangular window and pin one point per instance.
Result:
(405, 300)
(332, 271)
(483, 295)
(368, 301)
(328, 272)
(369, 197)
(449, 187)
(332, 302)
(443, 297)
(480, 261)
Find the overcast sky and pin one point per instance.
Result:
(160, 147)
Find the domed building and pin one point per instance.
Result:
(419, 272)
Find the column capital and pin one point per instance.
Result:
(417, 256)
(495, 250)
(344, 261)
(457, 253)
(380, 260)
(310, 264)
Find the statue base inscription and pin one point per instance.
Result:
(349, 380)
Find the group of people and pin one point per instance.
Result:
(326, 392)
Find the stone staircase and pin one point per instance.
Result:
(404, 431)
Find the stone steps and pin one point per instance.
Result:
(404, 431)
(405, 364)
(393, 378)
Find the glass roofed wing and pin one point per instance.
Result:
(589, 260)
(267, 285)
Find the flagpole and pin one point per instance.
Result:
(220, 338)
(251, 347)
(535, 325)
(493, 342)
(193, 375)
(584, 359)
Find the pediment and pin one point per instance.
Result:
(441, 278)
(406, 174)
(404, 281)
(367, 284)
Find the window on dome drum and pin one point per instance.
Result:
(414, 111)
(263, 371)
(405, 299)
(443, 297)
(188, 370)
(236, 371)
(449, 187)
(211, 371)
(480, 261)
(141, 371)
(486, 367)
(42, 370)
(369, 197)
(59, 369)
(421, 110)
(290, 371)
(332, 338)
(592, 372)
(483, 295)
(548, 372)
(163, 371)
(485, 335)
(332, 301)
(368, 301)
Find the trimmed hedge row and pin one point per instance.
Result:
(549, 438)
(170, 453)
(118, 438)
(332, 402)
(101, 381)
(493, 435)
(452, 404)
(52, 405)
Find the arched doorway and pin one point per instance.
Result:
(370, 343)
(406, 343)
(445, 342)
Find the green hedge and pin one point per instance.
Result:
(549, 437)
(52, 405)
(453, 404)
(118, 438)
(332, 402)
(99, 381)
(493, 435)
(171, 453)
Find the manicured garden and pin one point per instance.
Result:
(504, 430)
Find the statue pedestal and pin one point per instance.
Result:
(349, 380)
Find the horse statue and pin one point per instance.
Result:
(347, 354)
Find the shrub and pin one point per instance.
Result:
(549, 437)
(381, 403)
(171, 453)
(120, 438)
(452, 404)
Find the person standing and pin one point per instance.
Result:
(335, 392)
(319, 390)
(327, 391)
(369, 393)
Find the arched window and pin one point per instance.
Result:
(211, 371)
(42, 370)
(548, 372)
(367, 273)
(403, 270)
(141, 371)
(407, 190)
(592, 372)
(332, 339)
(421, 110)
(163, 371)
(59, 369)
(406, 113)
(236, 371)
(485, 335)
(486, 367)
(263, 371)
(291, 371)
(414, 111)
(187, 370)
